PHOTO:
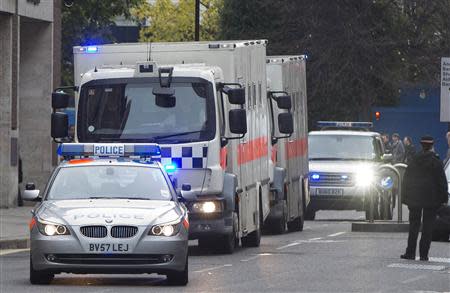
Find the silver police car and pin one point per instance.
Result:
(108, 215)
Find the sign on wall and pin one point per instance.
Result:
(445, 89)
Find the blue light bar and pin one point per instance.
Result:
(109, 150)
(92, 49)
(344, 124)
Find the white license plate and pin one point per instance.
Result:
(108, 247)
(330, 191)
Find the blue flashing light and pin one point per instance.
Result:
(315, 176)
(115, 150)
(170, 168)
(92, 49)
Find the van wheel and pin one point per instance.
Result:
(39, 277)
(310, 214)
(279, 226)
(181, 278)
(254, 239)
(228, 243)
(298, 223)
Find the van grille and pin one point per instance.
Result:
(333, 179)
(123, 231)
(94, 231)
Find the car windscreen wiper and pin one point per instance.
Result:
(176, 134)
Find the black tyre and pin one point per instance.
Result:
(39, 277)
(279, 226)
(298, 223)
(228, 243)
(180, 278)
(310, 214)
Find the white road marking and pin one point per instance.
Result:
(213, 268)
(416, 267)
(288, 245)
(438, 259)
(250, 258)
(11, 251)
(420, 277)
(336, 234)
(314, 239)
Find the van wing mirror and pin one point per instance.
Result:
(236, 96)
(285, 123)
(387, 158)
(238, 121)
(284, 102)
(59, 125)
(60, 100)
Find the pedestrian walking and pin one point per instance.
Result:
(424, 190)
(398, 150)
(386, 143)
(410, 149)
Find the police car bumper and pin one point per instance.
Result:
(206, 225)
(339, 198)
(151, 254)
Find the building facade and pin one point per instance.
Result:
(29, 70)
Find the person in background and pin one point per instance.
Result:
(424, 190)
(410, 149)
(398, 150)
(386, 142)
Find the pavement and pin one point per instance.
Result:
(326, 257)
(14, 227)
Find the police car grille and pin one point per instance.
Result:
(94, 231)
(123, 231)
(329, 179)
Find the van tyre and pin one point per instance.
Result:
(298, 223)
(254, 239)
(279, 226)
(231, 241)
(39, 277)
(181, 278)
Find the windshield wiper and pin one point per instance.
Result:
(176, 134)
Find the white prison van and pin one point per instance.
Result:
(287, 76)
(205, 104)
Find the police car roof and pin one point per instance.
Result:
(109, 161)
(344, 132)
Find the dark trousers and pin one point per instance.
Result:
(415, 215)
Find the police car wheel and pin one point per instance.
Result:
(39, 277)
(179, 278)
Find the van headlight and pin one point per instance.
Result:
(168, 229)
(364, 178)
(207, 207)
(51, 229)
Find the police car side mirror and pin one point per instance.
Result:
(285, 123)
(238, 121)
(30, 193)
(284, 102)
(59, 125)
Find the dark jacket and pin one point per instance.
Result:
(424, 183)
(398, 152)
(410, 152)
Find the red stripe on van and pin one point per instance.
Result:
(252, 150)
(297, 148)
(223, 158)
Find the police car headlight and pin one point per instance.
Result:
(207, 207)
(51, 229)
(169, 229)
(364, 178)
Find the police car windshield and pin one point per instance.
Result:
(342, 147)
(126, 110)
(95, 182)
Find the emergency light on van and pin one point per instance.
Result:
(108, 150)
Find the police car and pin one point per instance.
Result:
(344, 161)
(108, 208)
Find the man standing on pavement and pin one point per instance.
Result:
(410, 149)
(398, 150)
(424, 189)
(386, 142)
